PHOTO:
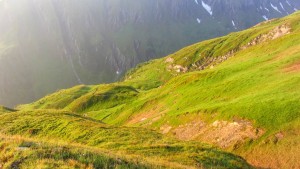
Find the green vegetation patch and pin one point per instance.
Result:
(146, 145)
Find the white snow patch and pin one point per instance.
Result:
(72, 66)
(265, 17)
(261, 7)
(118, 72)
(275, 8)
(288, 3)
(207, 8)
(233, 24)
(75, 72)
(267, 9)
(196, 1)
(282, 6)
(295, 9)
(198, 20)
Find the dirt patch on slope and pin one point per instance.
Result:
(277, 151)
(292, 68)
(190, 131)
(149, 116)
(222, 133)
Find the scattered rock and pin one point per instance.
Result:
(279, 136)
(169, 60)
(189, 131)
(277, 32)
(143, 119)
(22, 148)
(179, 68)
(210, 62)
(165, 129)
(275, 138)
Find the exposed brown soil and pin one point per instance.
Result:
(222, 133)
(190, 131)
(293, 68)
(280, 151)
(150, 116)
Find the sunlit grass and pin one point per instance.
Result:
(145, 146)
(253, 84)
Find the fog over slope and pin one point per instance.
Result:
(47, 45)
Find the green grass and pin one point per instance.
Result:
(18, 152)
(245, 86)
(258, 84)
(145, 146)
(5, 110)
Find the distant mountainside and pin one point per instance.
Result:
(46, 45)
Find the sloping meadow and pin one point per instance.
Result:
(245, 84)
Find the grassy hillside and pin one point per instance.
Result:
(5, 110)
(60, 138)
(239, 92)
(19, 152)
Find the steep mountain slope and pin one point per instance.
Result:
(239, 92)
(52, 44)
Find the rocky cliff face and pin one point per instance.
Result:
(46, 45)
